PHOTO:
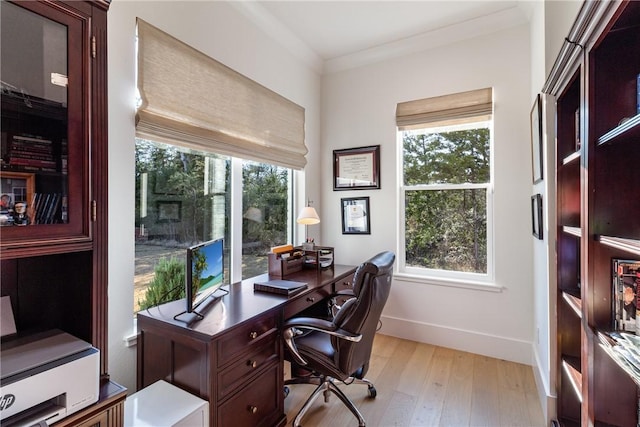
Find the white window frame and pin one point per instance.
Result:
(447, 277)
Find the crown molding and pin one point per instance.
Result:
(466, 30)
(507, 18)
(271, 26)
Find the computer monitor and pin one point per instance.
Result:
(204, 274)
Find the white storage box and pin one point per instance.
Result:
(163, 404)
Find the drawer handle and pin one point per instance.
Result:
(253, 409)
(253, 335)
(252, 363)
(311, 299)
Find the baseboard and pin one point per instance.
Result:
(546, 398)
(470, 341)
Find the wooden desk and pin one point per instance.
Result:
(233, 357)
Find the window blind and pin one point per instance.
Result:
(457, 108)
(191, 100)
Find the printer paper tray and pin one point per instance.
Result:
(36, 416)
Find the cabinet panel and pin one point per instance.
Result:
(305, 301)
(240, 372)
(617, 180)
(45, 133)
(255, 405)
(53, 155)
(258, 331)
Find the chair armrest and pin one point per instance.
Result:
(334, 307)
(295, 326)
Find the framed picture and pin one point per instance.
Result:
(169, 211)
(537, 160)
(16, 187)
(356, 168)
(355, 215)
(536, 215)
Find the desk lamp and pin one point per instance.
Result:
(308, 216)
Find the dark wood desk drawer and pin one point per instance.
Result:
(254, 405)
(305, 301)
(262, 329)
(240, 372)
(343, 284)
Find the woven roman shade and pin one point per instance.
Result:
(457, 108)
(191, 100)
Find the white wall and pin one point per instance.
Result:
(359, 109)
(220, 31)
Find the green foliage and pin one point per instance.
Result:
(448, 157)
(201, 185)
(188, 177)
(447, 228)
(266, 188)
(167, 284)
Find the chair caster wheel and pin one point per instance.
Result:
(286, 391)
(372, 392)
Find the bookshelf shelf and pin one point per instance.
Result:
(573, 231)
(571, 367)
(574, 302)
(629, 129)
(612, 348)
(571, 158)
(631, 246)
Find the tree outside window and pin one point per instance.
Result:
(446, 184)
(183, 198)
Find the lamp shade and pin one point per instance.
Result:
(308, 216)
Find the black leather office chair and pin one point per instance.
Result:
(339, 349)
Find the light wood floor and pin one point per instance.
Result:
(425, 385)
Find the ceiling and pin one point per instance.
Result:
(330, 35)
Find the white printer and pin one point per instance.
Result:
(45, 377)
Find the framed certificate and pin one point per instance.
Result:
(355, 215)
(356, 168)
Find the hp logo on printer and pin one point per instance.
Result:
(6, 401)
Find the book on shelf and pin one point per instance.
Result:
(625, 296)
(280, 287)
(45, 206)
(31, 153)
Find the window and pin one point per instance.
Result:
(207, 138)
(183, 197)
(446, 195)
(266, 219)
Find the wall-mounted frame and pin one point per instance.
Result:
(169, 211)
(355, 215)
(356, 168)
(536, 216)
(537, 160)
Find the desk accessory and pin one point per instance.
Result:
(280, 287)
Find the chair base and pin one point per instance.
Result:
(326, 386)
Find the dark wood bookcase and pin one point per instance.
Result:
(54, 141)
(594, 83)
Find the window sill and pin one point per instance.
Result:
(449, 283)
(131, 340)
